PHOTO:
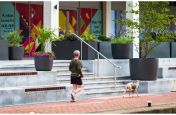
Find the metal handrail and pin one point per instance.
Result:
(115, 66)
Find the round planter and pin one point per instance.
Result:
(144, 69)
(16, 53)
(122, 51)
(43, 63)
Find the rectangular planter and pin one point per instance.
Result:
(160, 51)
(173, 49)
(4, 51)
(63, 50)
(88, 53)
(105, 49)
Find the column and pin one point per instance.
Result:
(51, 18)
(135, 32)
(107, 18)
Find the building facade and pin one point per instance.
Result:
(79, 17)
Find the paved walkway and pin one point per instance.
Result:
(95, 105)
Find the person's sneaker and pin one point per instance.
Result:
(73, 101)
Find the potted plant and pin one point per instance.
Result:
(163, 49)
(154, 18)
(173, 47)
(122, 47)
(87, 52)
(4, 49)
(44, 60)
(16, 50)
(66, 45)
(104, 46)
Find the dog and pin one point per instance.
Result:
(131, 87)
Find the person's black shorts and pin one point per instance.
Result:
(76, 80)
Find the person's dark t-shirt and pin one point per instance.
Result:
(75, 67)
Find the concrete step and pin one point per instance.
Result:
(32, 95)
(89, 78)
(94, 90)
(66, 70)
(99, 82)
(68, 74)
(7, 79)
(88, 87)
(29, 64)
(104, 92)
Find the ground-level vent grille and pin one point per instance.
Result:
(172, 68)
(45, 88)
(17, 73)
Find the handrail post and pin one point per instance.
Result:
(98, 56)
(115, 76)
(81, 50)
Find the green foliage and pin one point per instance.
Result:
(14, 38)
(125, 38)
(61, 38)
(154, 17)
(44, 35)
(104, 38)
(40, 53)
(70, 37)
(88, 37)
(122, 41)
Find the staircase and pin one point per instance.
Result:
(94, 86)
(20, 83)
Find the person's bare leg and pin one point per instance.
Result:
(78, 88)
(74, 89)
(73, 92)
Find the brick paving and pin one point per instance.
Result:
(94, 105)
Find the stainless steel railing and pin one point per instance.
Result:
(98, 55)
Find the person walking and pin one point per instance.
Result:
(76, 74)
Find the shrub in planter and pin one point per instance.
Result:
(44, 60)
(162, 42)
(104, 46)
(122, 48)
(16, 50)
(63, 49)
(156, 20)
(4, 49)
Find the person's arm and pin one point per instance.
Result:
(70, 66)
(80, 64)
(81, 73)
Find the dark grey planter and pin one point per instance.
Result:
(16, 53)
(144, 69)
(160, 51)
(63, 50)
(88, 53)
(105, 49)
(43, 63)
(4, 51)
(122, 51)
(173, 49)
